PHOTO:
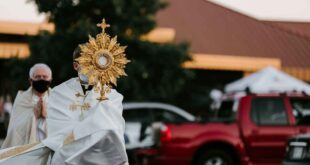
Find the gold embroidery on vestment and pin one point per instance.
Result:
(16, 151)
(84, 107)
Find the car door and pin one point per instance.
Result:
(136, 119)
(269, 130)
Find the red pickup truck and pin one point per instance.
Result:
(255, 133)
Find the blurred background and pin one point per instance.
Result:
(182, 52)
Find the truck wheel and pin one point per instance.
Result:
(216, 157)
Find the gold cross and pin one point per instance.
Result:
(73, 107)
(84, 107)
(103, 25)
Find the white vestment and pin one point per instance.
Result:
(98, 131)
(24, 127)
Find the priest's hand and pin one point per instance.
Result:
(38, 108)
(69, 139)
(43, 109)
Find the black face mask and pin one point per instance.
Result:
(40, 85)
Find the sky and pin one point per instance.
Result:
(19, 10)
(282, 10)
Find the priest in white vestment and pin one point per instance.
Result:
(27, 122)
(83, 130)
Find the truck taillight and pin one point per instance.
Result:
(165, 134)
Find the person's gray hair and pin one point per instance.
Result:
(37, 66)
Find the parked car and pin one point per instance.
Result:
(139, 118)
(298, 150)
(254, 133)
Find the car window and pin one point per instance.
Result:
(225, 112)
(167, 116)
(142, 115)
(301, 110)
(269, 111)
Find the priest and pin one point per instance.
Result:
(83, 129)
(27, 122)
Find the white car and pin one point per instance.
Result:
(140, 116)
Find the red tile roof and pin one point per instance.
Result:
(214, 29)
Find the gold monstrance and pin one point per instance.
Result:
(103, 60)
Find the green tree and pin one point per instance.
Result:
(155, 71)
